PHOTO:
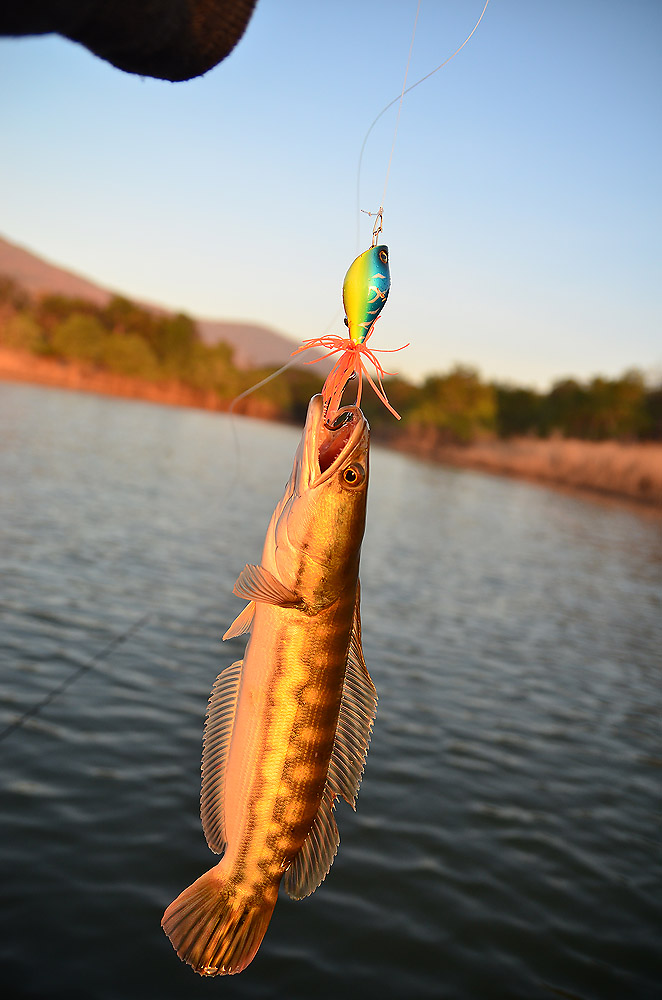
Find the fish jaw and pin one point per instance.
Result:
(326, 447)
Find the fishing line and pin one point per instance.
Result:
(103, 654)
(405, 90)
(247, 392)
(61, 686)
(402, 94)
(232, 416)
(377, 227)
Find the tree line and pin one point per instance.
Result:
(456, 407)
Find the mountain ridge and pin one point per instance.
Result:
(254, 345)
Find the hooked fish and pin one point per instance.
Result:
(287, 728)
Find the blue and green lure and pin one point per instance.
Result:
(365, 291)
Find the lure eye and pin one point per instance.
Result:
(353, 475)
(383, 256)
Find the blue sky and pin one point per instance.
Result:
(523, 206)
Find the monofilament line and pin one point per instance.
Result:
(402, 94)
(67, 681)
(405, 90)
(94, 661)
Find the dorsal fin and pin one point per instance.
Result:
(215, 747)
(358, 708)
(357, 713)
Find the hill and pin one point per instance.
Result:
(254, 346)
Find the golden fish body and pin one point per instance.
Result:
(288, 727)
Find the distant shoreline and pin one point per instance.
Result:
(609, 469)
(20, 366)
(631, 472)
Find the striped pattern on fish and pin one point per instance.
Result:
(288, 727)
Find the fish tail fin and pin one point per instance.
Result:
(216, 929)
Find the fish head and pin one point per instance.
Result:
(317, 531)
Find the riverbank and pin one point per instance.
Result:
(630, 471)
(20, 366)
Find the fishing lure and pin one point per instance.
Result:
(365, 291)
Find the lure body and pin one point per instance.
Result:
(365, 291)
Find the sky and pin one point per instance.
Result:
(522, 211)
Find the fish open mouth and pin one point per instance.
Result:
(338, 435)
(328, 445)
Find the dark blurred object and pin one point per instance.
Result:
(167, 39)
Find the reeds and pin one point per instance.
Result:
(632, 470)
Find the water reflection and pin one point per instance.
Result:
(505, 842)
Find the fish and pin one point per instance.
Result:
(365, 291)
(287, 728)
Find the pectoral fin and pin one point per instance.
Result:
(242, 623)
(255, 583)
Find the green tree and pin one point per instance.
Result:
(653, 410)
(129, 354)
(458, 406)
(211, 368)
(518, 410)
(51, 310)
(616, 408)
(121, 315)
(174, 341)
(22, 332)
(79, 336)
(564, 409)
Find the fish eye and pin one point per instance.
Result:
(383, 256)
(353, 475)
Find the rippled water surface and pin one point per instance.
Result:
(507, 838)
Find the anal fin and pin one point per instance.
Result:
(358, 707)
(311, 865)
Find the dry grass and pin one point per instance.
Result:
(610, 467)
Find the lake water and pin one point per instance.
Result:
(507, 837)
